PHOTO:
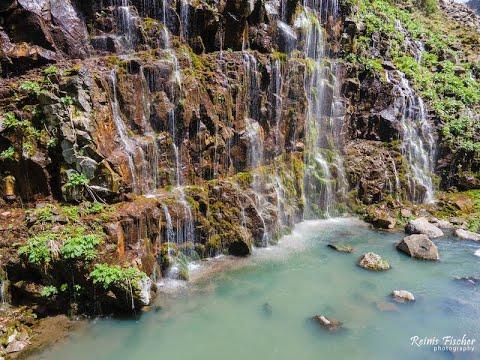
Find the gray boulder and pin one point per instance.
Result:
(423, 226)
(373, 262)
(467, 235)
(442, 224)
(418, 246)
(402, 296)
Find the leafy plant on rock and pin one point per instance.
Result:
(108, 276)
(81, 247)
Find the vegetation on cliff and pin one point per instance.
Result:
(440, 58)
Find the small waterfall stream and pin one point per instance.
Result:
(418, 144)
(124, 138)
(325, 181)
(3, 293)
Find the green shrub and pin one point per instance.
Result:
(76, 179)
(429, 6)
(66, 100)
(37, 249)
(30, 87)
(10, 121)
(71, 212)
(8, 154)
(94, 208)
(50, 70)
(45, 213)
(113, 275)
(48, 291)
(82, 247)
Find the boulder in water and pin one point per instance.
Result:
(374, 262)
(267, 309)
(341, 247)
(385, 306)
(442, 224)
(402, 296)
(469, 280)
(327, 323)
(423, 226)
(418, 246)
(467, 235)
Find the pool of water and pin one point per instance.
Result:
(224, 316)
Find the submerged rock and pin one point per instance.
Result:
(341, 247)
(385, 306)
(267, 309)
(470, 280)
(402, 296)
(327, 323)
(418, 246)
(374, 262)
(423, 226)
(467, 235)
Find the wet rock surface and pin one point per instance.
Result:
(373, 262)
(402, 296)
(341, 247)
(461, 13)
(329, 324)
(183, 133)
(467, 235)
(423, 226)
(419, 246)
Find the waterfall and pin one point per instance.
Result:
(170, 234)
(252, 84)
(125, 140)
(3, 293)
(125, 20)
(418, 143)
(277, 103)
(255, 160)
(184, 18)
(397, 179)
(325, 182)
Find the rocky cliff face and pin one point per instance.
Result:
(145, 133)
(475, 5)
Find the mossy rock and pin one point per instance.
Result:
(373, 262)
(341, 247)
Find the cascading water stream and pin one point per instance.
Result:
(3, 293)
(125, 21)
(255, 159)
(418, 143)
(254, 133)
(324, 181)
(125, 140)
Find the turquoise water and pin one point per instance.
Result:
(224, 316)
